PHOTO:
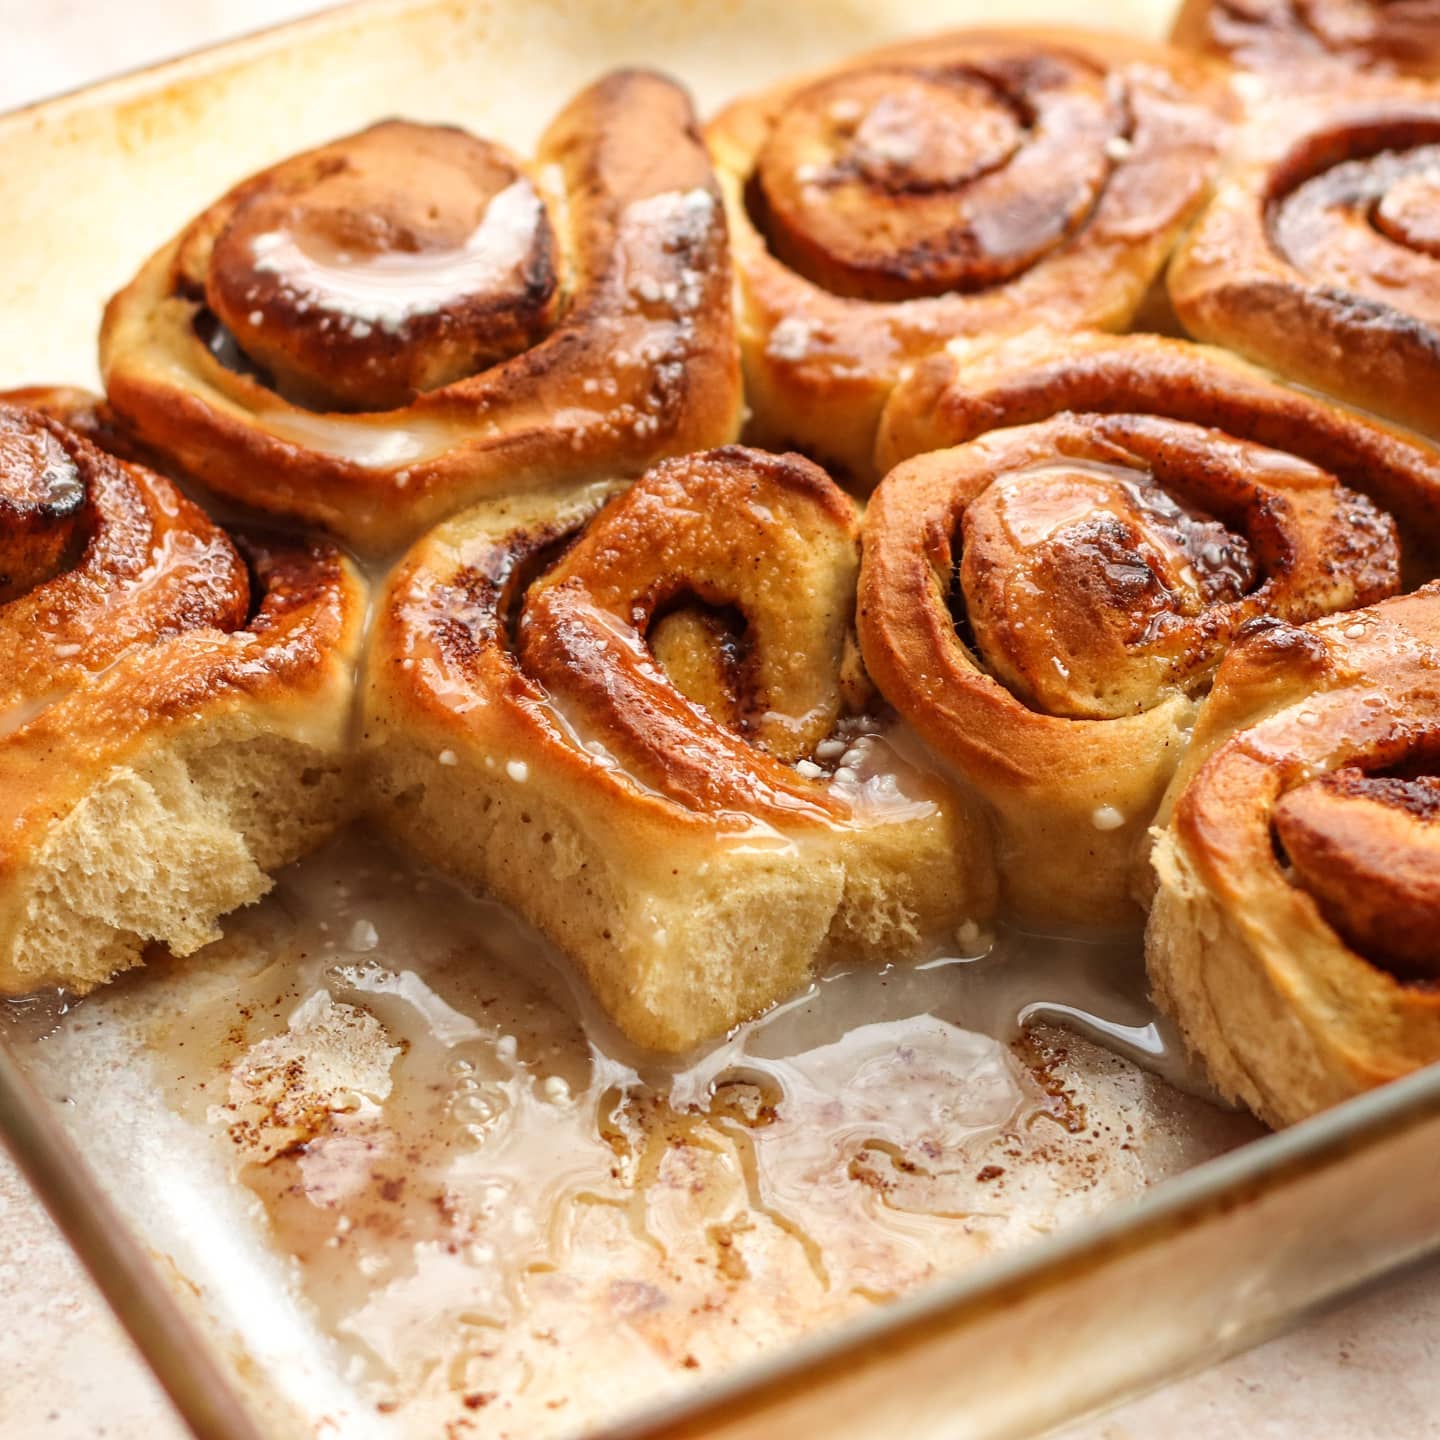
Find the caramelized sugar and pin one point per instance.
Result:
(495, 1218)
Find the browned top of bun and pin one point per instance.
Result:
(125, 612)
(1319, 256)
(677, 649)
(1318, 755)
(1326, 38)
(396, 261)
(378, 332)
(962, 392)
(974, 182)
(1098, 566)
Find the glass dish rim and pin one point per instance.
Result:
(212, 1406)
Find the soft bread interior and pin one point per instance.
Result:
(159, 849)
(679, 938)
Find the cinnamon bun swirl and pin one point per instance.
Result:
(971, 183)
(1321, 40)
(81, 411)
(639, 717)
(173, 710)
(1293, 934)
(375, 333)
(971, 387)
(1047, 604)
(1320, 255)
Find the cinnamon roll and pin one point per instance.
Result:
(1293, 934)
(173, 710)
(1320, 254)
(972, 387)
(640, 719)
(1319, 39)
(375, 333)
(972, 183)
(81, 411)
(1047, 604)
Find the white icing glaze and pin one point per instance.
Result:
(1107, 817)
(376, 446)
(388, 289)
(16, 717)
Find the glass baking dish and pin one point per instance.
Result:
(1143, 1256)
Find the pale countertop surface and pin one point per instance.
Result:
(68, 1373)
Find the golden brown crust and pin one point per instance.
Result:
(568, 673)
(396, 261)
(641, 362)
(1367, 849)
(1045, 606)
(1315, 41)
(1315, 259)
(517, 661)
(967, 389)
(82, 411)
(147, 628)
(970, 183)
(42, 505)
(771, 528)
(1328, 738)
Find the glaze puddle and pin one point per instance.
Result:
(490, 1216)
